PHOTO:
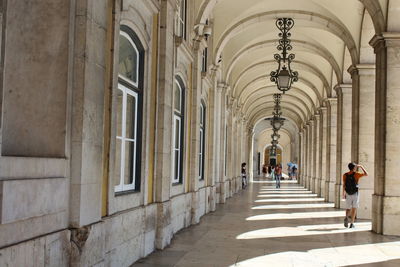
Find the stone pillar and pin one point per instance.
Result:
(343, 157)
(301, 159)
(324, 150)
(366, 137)
(250, 148)
(305, 161)
(317, 161)
(220, 183)
(386, 198)
(311, 153)
(331, 159)
(163, 162)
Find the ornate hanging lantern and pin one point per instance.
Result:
(284, 77)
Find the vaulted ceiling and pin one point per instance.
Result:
(328, 37)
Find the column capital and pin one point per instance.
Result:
(384, 40)
(222, 87)
(352, 70)
(343, 88)
(330, 99)
(366, 69)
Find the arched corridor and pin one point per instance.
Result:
(264, 226)
(124, 122)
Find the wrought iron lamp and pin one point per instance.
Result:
(284, 76)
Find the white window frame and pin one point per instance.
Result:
(204, 60)
(176, 176)
(122, 186)
(178, 115)
(134, 83)
(181, 19)
(202, 141)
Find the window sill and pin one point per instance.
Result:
(177, 183)
(127, 192)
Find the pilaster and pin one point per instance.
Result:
(324, 150)
(332, 104)
(366, 137)
(386, 211)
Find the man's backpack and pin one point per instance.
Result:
(351, 184)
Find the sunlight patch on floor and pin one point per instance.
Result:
(334, 256)
(296, 215)
(287, 195)
(304, 230)
(289, 200)
(273, 182)
(284, 192)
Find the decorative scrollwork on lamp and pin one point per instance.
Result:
(284, 76)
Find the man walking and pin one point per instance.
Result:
(350, 192)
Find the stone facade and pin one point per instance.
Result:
(58, 204)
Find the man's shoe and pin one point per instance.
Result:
(346, 222)
(352, 226)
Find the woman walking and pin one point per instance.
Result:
(278, 175)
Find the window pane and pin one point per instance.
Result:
(119, 112)
(117, 178)
(129, 162)
(177, 98)
(176, 167)
(131, 125)
(128, 59)
(177, 133)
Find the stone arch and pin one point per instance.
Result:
(297, 90)
(268, 111)
(326, 23)
(270, 103)
(319, 50)
(291, 97)
(306, 82)
(308, 67)
(375, 11)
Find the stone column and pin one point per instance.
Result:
(221, 194)
(229, 152)
(313, 154)
(311, 149)
(324, 150)
(386, 198)
(305, 155)
(331, 159)
(317, 161)
(250, 149)
(164, 121)
(366, 137)
(301, 152)
(343, 156)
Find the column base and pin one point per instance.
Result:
(386, 215)
(332, 189)
(164, 231)
(338, 197)
(365, 209)
(323, 186)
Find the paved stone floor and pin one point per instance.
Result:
(262, 226)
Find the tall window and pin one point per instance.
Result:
(181, 20)
(204, 60)
(129, 112)
(202, 140)
(178, 132)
